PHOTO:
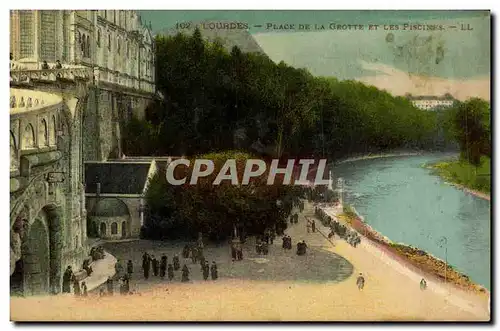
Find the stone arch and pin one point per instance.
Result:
(39, 269)
(14, 163)
(114, 228)
(29, 137)
(88, 46)
(113, 215)
(82, 44)
(43, 134)
(35, 259)
(102, 230)
(53, 131)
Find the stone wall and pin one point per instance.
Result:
(106, 114)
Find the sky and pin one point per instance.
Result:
(395, 60)
(164, 19)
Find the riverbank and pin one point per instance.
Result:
(462, 175)
(370, 156)
(419, 259)
(267, 288)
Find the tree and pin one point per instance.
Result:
(471, 128)
(216, 209)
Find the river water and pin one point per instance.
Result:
(403, 201)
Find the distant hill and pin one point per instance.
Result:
(229, 33)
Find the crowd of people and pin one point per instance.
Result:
(336, 228)
(70, 279)
(160, 267)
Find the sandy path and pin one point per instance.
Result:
(391, 293)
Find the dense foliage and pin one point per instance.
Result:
(469, 124)
(216, 101)
(185, 210)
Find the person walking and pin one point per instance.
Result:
(185, 274)
(214, 272)
(130, 268)
(146, 264)
(67, 278)
(360, 281)
(109, 285)
(206, 270)
(170, 272)
(163, 265)
(76, 287)
(84, 289)
(156, 266)
(177, 263)
(423, 284)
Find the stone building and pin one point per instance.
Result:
(75, 77)
(113, 43)
(47, 206)
(431, 102)
(114, 193)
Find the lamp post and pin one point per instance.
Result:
(443, 243)
(340, 184)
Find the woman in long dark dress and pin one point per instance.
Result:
(185, 274)
(67, 278)
(214, 272)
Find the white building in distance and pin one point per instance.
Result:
(432, 102)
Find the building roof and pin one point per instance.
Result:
(110, 207)
(116, 177)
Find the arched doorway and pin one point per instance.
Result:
(124, 229)
(102, 230)
(114, 228)
(36, 259)
(39, 269)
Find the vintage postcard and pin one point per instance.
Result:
(250, 165)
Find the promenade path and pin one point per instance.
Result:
(281, 286)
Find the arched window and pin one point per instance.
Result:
(29, 137)
(114, 228)
(118, 45)
(53, 131)
(13, 152)
(102, 229)
(128, 48)
(87, 46)
(82, 44)
(109, 41)
(43, 134)
(98, 37)
(124, 229)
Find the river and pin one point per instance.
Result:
(403, 201)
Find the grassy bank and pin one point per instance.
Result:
(466, 175)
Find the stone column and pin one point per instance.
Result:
(37, 33)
